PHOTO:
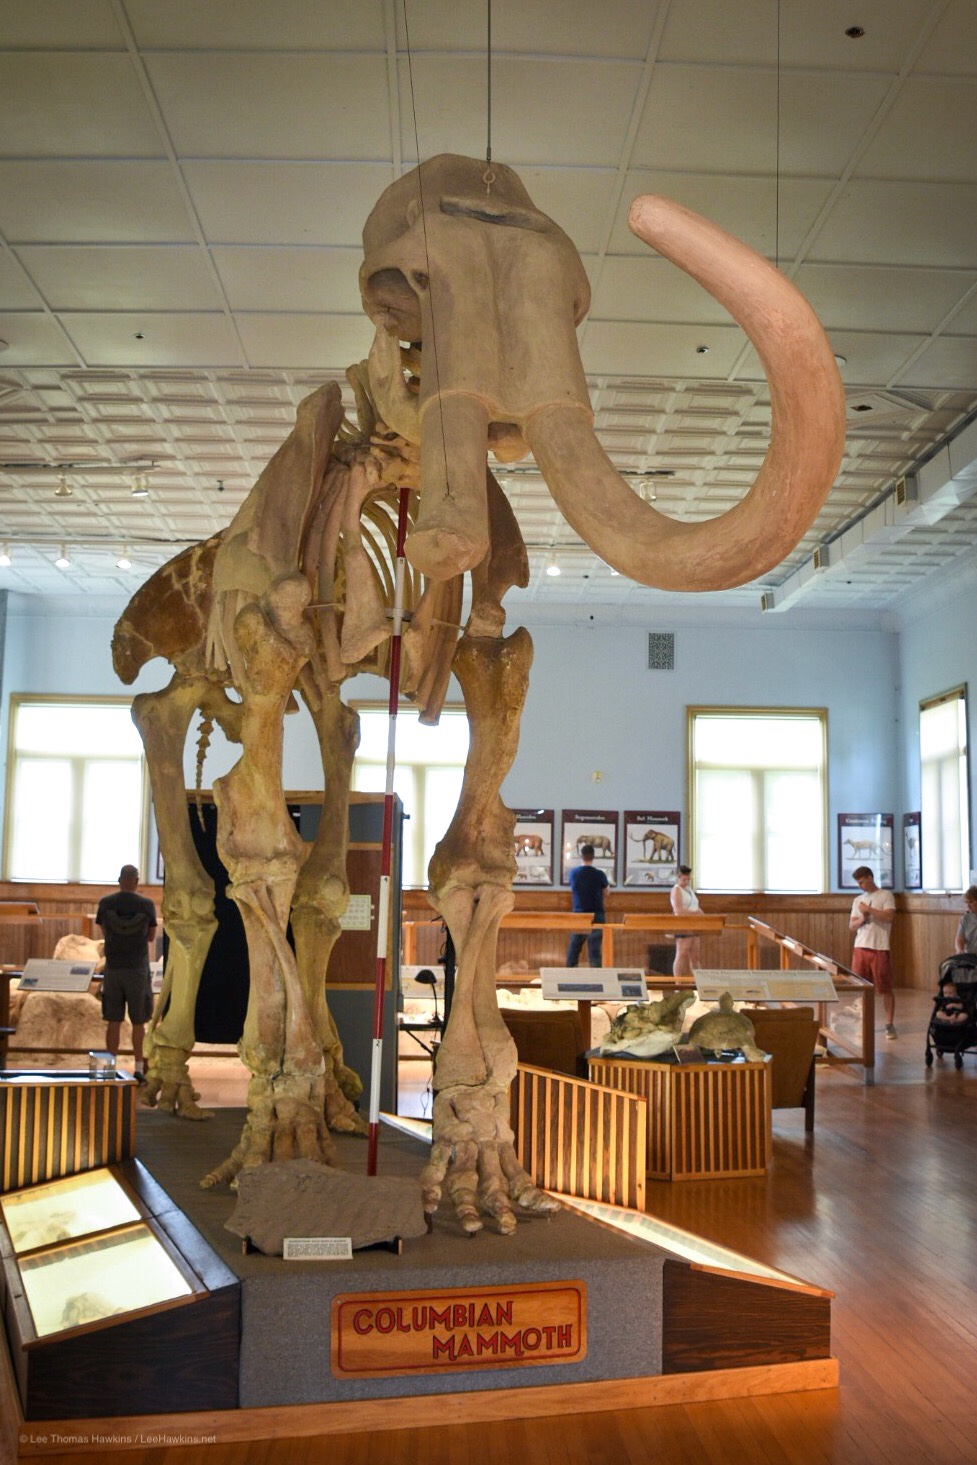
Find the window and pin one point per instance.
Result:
(944, 791)
(427, 776)
(757, 798)
(77, 802)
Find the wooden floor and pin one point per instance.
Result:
(880, 1205)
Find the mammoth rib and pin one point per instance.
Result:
(806, 438)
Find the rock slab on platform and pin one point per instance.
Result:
(289, 1198)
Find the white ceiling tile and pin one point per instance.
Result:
(327, 341)
(593, 99)
(659, 350)
(148, 339)
(91, 25)
(246, 105)
(121, 277)
(652, 288)
(927, 224)
(933, 118)
(288, 25)
(320, 280)
(16, 291)
(84, 201)
(726, 120)
(949, 362)
(74, 105)
(32, 339)
(284, 203)
(614, 28)
(868, 298)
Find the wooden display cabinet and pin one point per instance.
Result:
(705, 1120)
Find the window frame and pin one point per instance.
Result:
(819, 714)
(959, 695)
(18, 701)
(417, 833)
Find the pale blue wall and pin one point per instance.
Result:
(593, 705)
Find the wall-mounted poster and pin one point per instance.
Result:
(534, 847)
(865, 839)
(912, 854)
(589, 826)
(651, 848)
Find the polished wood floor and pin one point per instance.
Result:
(880, 1205)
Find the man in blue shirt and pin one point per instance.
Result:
(587, 886)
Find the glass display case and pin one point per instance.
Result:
(112, 1300)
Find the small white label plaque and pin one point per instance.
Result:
(318, 1248)
(358, 915)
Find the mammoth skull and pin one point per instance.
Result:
(492, 290)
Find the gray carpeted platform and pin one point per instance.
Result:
(285, 1351)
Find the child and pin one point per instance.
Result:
(949, 1008)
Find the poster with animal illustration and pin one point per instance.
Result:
(865, 839)
(534, 847)
(912, 854)
(597, 827)
(651, 848)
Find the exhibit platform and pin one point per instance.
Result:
(571, 1313)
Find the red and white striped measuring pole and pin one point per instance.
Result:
(386, 857)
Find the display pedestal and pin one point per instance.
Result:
(705, 1120)
(56, 1122)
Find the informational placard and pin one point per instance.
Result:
(358, 915)
(42, 975)
(593, 984)
(317, 1249)
(651, 848)
(534, 846)
(912, 851)
(745, 986)
(596, 827)
(865, 839)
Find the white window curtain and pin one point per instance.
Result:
(427, 778)
(944, 791)
(78, 803)
(757, 784)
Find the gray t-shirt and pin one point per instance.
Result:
(126, 919)
(967, 931)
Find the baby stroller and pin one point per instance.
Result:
(953, 1026)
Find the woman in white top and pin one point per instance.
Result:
(685, 902)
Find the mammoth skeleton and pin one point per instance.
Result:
(476, 297)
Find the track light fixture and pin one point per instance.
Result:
(64, 489)
(124, 562)
(4, 555)
(140, 488)
(62, 560)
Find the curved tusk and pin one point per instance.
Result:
(394, 403)
(807, 430)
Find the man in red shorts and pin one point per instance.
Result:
(872, 914)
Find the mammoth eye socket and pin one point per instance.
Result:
(421, 280)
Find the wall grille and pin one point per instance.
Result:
(661, 651)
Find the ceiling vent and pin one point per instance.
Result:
(767, 600)
(820, 559)
(661, 651)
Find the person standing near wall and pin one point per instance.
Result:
(967, 929)
(587, 886)
(127, 922)
(685, 902)
(872, 914)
